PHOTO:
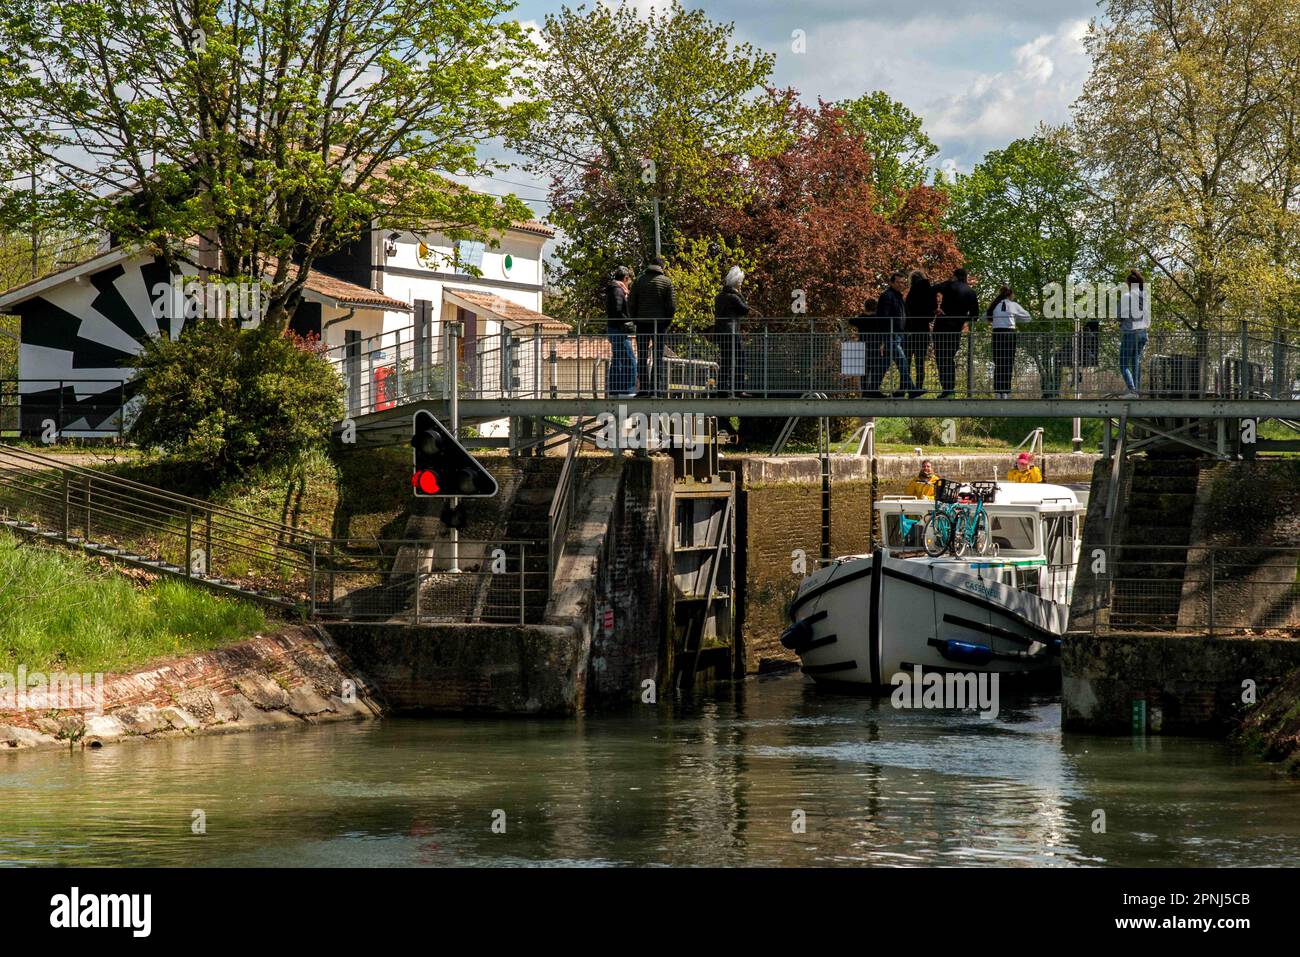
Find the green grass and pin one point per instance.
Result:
(61, 611)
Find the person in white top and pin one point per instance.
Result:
(1135, 320)
(1005, 314)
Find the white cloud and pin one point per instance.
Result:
(1042, 79)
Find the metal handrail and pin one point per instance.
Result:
(561, 510)
(110, 480)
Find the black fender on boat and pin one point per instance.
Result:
(797, 634)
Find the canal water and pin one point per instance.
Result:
(718, 782)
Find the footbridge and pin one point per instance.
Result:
(1194, 387)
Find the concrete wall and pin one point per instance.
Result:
(1246, 514)
(616, 560)
(466, 669)
(631, 565)
(1190, 684)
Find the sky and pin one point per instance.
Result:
(980, 73)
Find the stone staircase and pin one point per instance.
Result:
(527, 521)
(1148, 578)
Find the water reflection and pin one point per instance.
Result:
(714, 782)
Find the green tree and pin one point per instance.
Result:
(1024, 217)
(274, 129)
(641, 107)
(893, 136)
(231, 400)
(697, 270)
(1187, 128)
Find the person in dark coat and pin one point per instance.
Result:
(876, 334)
(891, 305)
(921, 303)
(621, 378)
(958, 305)
(729, 307)
(651, 303)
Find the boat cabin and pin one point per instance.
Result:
(1035, 532)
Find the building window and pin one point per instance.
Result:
(469, 256)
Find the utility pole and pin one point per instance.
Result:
(35, 241)
(656, 201)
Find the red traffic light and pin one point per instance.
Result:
(425, 482)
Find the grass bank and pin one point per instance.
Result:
(65, 612)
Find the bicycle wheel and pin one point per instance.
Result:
(981, 538)
(960, 532)
(937, 534)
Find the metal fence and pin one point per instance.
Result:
(1215, 590)
(249, 557)
(499, 581)
(63, 407)
(774, 359)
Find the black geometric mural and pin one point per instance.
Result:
(81, 344)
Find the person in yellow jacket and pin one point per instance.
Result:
(922, 486)
(1025, 470)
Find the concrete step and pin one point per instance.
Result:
(1156, 535)
(1154, 516)
(1167, 466)
(540, 495)
(1162, 483)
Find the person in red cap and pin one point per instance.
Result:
(1024, 470)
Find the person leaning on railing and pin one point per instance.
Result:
(652, 303)
(922, 485)
(1005, 313)
(958, 304)
(874, 333)
(891, 305)
(621, 378)
(1135, 320)
(922, 305)
(729, 307)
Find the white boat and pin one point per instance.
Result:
(864, 618)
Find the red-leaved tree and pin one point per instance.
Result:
(811, 219)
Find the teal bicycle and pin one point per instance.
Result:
(958, 522)
(970, 522)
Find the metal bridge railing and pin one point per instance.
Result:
(1214, 590)
(782, 358)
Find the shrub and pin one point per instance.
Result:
(230, 400)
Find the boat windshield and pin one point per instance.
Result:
(895, 523)
(1013, 533)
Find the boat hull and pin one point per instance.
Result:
(861, 621)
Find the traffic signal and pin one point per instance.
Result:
(442, 466)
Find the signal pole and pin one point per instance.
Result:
(454, 332)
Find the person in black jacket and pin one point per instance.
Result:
(729, 307)
(958, 305)
(921, 304)
(652, 303)
(890, 305)
(876, 338)
(620, 381)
